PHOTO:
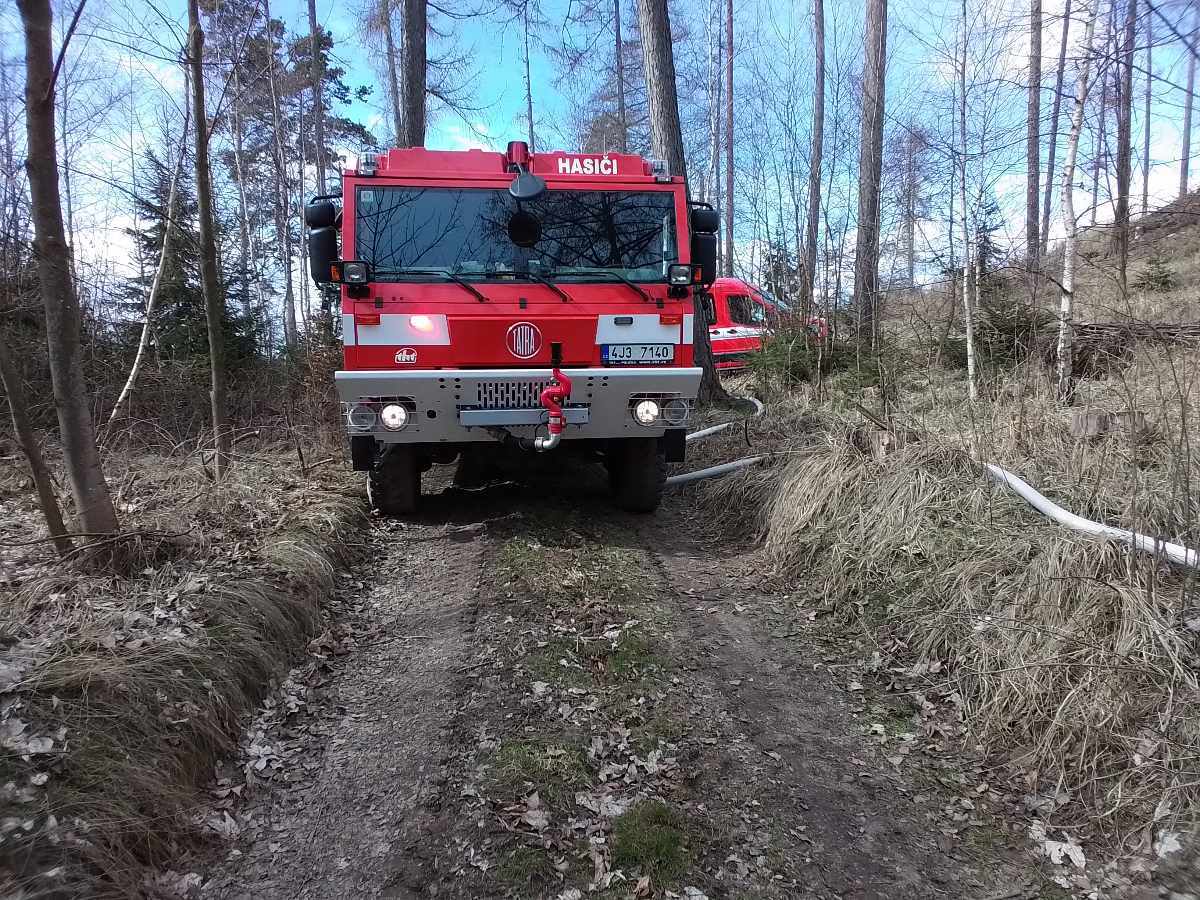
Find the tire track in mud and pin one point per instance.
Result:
(843, 825)
(359, 827)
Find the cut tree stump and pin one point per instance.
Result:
(1093, 424)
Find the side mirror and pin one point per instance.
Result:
(322, 253)
(527, 186)
(320, 214)
(705, 220)
(704, 255)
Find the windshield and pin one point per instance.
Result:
(485, 232)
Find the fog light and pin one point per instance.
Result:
(646, 412)
(675, 411)
(360, 417)
(393, 416)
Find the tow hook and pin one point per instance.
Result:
(553, 397)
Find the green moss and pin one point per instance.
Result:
(649, 838)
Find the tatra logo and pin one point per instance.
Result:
(524, 340)
(406, 356)
(577, 166)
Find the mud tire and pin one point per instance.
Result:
(394, 483)
(637, 472)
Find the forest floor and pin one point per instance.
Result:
(530, 694)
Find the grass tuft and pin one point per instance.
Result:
(649, 838)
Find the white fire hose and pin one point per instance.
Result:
(723, 468)
(1176, 553)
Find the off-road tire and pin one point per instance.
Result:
(394, 484)
(637, 472)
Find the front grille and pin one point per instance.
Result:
(509, 394)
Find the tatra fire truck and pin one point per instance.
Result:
(513, 302)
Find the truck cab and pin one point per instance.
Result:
(741, 316)
(492, 302)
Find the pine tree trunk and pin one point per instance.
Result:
(1070, 226)
(389, 42)
(316, 80)
(413, 83)
(214, 300)
(729, 138)
(93, 504)
(1056, 110)
(1033, 137)
(528, 77)
(619, 72)
(666, 143)
(282, 200)
(870, 171)
(814, 170)
(27, 438)
(1124, 146)
(1189, 102)
(243, 207)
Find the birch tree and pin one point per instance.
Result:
(1189, 102)
(93, 503)
(1070, 225)
(969, 264)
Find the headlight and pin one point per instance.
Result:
(646, 412)
(675, 411)
(360, 417)
(393, 416)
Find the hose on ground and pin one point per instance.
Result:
(723, 468)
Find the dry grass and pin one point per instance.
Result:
(1074, 660)
(140, 683)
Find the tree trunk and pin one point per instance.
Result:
(1065, 335)
(1033, 137)
(1101, 136)
(814, 171)
(389, 42)
(93, 504)
(528, 76)
(870, 171)
(1124, 146)
(214, 301)
(317, 79)
(729, 138)
(1149, 95)
(970, 263)
(666, 143)
(152, 297)
(240, 171)
(1057, 108)
(413, 82)
(619, 72)
(27, 438)
(1189, 101)
(282, 200)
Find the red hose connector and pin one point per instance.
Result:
(553, 397)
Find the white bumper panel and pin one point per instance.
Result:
(445, 404)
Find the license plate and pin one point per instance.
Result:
(636, 354)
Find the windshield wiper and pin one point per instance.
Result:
(449, 276)
(566, 298)
(611, 274)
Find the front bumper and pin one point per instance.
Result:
(460, 405)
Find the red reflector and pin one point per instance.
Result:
(670, 318)
(363, 318)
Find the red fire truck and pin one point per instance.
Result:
(510, 302)
(741, 316)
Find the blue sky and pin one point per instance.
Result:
(498, 84)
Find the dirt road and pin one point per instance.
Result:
(542, 697)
